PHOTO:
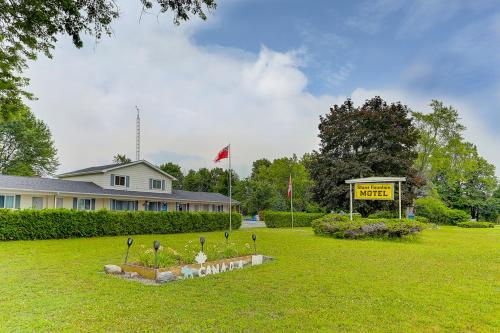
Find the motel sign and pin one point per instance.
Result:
(374, 188)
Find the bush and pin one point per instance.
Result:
(284, 219)
(437, 212)
(64, 223)
(472, 224)
(340, 227)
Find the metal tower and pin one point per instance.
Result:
(137, 136)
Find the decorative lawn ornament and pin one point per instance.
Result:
(130, 240)
(254, 238)
(156, 246)
(202, 242)
(187, 272)
(201, 258)
(226, 234)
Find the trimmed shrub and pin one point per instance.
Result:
(384, 214)
(284, 219)
(437, 212)
(340, 227)
(63, 223)
(473, 224)
(421, 219)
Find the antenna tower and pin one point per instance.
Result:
(137, 136)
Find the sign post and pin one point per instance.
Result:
(374, 188)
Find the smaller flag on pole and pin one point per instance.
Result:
(224, 153)
(290, 187)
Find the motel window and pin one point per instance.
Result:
(37, 203)
(120, 180)
(59, 203)
(84, 203)
(123, 205)
(117, 180)
(153, 206)
(10, 201)
(182, 207)
(156, 184)
(217, 208)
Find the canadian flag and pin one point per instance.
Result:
(224, 153)
(290, 187)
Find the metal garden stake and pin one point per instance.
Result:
(202, 242)
(130, 240)
(156, 245)
(254, 237)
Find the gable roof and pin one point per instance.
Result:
(110, 167)
(37, 184)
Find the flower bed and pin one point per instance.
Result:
(164, 264)
(340, 227)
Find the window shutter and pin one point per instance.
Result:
(92, 204)
(18, 202)
(75, 203)
(112, 180)
(136, 205)
(150, 183)
(163, 185)
(127, 181)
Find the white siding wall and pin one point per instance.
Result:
(139, 178)
(97, 178)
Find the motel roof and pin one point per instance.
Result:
(111, 167)
(73, 187)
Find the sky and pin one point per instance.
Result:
(259, 73)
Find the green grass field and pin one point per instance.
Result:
(447, 280)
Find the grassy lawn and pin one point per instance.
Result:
(447, 280)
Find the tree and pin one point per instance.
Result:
(174, 170)
(28, 28)
(121, 159)
(26, 146)
(376, 139)
(255, 196)
(453, 169)
(438, 129)
(256, 165)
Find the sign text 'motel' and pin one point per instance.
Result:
(374, 191)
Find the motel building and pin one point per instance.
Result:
(138, 185)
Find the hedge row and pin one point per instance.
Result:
(340, 227)
(473, 224)
(387, 214)
(64, 223)
(437, 212)
(284, 219)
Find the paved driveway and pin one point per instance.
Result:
(252, 224)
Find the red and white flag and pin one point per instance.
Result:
(290, 187)
(224, 153)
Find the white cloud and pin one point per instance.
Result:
(193, 100)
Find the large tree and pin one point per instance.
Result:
(26, 146)
(453, 169)
(174, 170)
(376, 139)
(28, 28)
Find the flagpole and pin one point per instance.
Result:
(230, 190)
(291, 199)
